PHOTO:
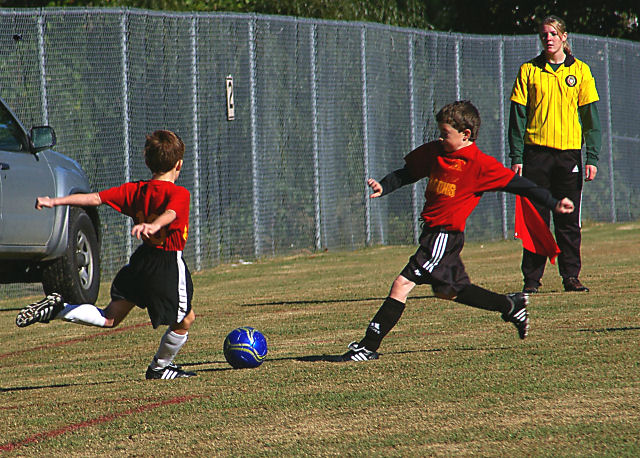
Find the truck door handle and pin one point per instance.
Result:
(4, 166)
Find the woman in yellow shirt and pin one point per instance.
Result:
(553, 111)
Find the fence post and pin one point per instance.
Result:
(609, 132)
(254, 137)
(125, 111)
(365, 133)
(413, 140)
(457, 61)
(196, 144)
(43, 73)
(503, 196)
(314, 132)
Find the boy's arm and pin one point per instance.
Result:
(527, 188)
(391, 182)
(148, 229)
(82, 200)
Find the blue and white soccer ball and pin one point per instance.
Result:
(245, 347)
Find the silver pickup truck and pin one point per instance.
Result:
(58, 247)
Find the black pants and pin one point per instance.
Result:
(561, 173)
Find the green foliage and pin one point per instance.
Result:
(611, 18)
(606, 18)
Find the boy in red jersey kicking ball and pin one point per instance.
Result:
(459, 173)
(156, 277)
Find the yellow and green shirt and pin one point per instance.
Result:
(559, 103)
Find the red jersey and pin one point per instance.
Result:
(144, 201)
(456, 182)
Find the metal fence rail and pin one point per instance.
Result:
(319, 106)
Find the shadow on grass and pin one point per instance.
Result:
(328, 301)
(209, 369)
(625, 328)
(338, 358)
(15, 309)
(55, 385)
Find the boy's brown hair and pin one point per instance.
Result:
(461, 115)
(162, 150)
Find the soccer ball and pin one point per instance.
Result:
(245, 347)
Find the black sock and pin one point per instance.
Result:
(481, 298)
(383, 321)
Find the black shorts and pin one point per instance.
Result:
(437, 262)
(158, 281)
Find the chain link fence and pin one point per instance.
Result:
(319, 107)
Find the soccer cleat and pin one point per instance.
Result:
(358, 353)
(518, 314)
(168, 373)
(42, 311)
(573, 284)
(531, 287)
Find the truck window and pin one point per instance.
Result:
(11, 135)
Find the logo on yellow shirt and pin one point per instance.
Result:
(571, 80)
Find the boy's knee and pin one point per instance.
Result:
(110, 323)
(445, 292)
(186, 322)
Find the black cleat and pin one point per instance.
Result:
(531, 287)
(358, 353)
(573, 284)
(42, 311)
(518, 314)
(168, 373)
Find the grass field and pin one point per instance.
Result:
(451, 380)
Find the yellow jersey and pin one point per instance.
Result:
(552, 99)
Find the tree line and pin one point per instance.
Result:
(609, 18)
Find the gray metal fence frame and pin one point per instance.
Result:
(433, 51)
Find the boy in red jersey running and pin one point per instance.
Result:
(156, 277)
(459, 173)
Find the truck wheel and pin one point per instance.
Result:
(76, 274)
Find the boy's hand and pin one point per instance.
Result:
(564, 206)
(144, 230)
(376, 187)
(42, 202)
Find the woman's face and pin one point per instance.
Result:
(552, 41)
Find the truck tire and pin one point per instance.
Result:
(76, 274)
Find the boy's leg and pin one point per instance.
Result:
(86, 314)
(90, 315)
(116, 311)
(42, 311)
(388, 314)
(511, 306)
(172, 341)
(383, 321)
(53, 307)
(481, 298)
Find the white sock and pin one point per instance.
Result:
(86, 314)
(170, 345)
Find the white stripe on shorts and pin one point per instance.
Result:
(182, 288)
(437, 253)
